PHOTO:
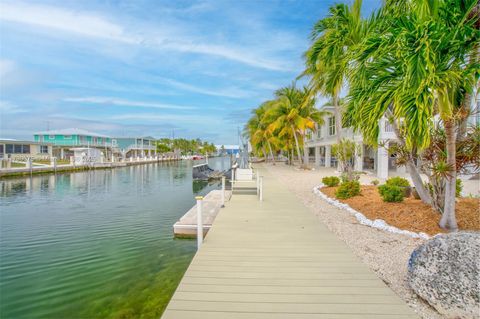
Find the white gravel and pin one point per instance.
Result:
(385, 253)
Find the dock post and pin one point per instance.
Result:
(261, 188)
(258, 183)
(223, 191)
(199, 221)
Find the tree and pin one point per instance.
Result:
(327, 59)
(416, 63)
(293, 114)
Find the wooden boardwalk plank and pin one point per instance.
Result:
(274, 259)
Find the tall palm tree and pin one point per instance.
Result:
(413, 66)
(327, 59)
(256, 128)
(294, 114)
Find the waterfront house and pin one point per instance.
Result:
(136, 146)
(377, 161)
(15, 149)
(65, 139)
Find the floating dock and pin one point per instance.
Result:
(275, 259)
(187, 225)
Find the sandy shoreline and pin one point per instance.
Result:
(385, 253)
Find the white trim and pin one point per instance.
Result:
(377, 223)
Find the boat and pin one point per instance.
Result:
(197, 157)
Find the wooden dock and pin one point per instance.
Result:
(274, 259)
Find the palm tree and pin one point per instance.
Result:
(256, 129)
(327, 59)
(293, 114)
(413, 66)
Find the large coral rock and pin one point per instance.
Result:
(445, 271)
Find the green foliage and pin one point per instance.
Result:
(186, 147)
(331, 181)
(345, 150)
(397, 181)
(391, 193)
(458, 187)
(348, 189)
(375, 182)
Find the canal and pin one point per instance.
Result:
(95, 244)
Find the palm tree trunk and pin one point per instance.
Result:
(264, 154)
(297, 145)
(338, 118)
(448, 220)
(271, 152)
(412, 167)
(305, 150)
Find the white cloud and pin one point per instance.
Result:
(124, 102)
(199, 119)
(85, 24)
(93, 25)
(10, 108)
(6, 67)
(228, 92)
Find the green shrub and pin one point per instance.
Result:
(331, 181)
(397, 181)
(391, 193)
(375, 182)
(348, 189)
(458, 187)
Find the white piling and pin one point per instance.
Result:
(199, 221)
(258, 183)
(223, 191)
(261, 188)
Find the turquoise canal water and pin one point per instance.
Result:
(95, 244)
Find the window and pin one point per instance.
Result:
(331, 126)
(9, 148)
(26, 149)
(67, 137)
(319, 132)
(52, 137)
(43, 149)
(17, 148)
(1, 148)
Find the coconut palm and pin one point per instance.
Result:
(293, 114)
(256, 129)
(415, 65)
(327, 59)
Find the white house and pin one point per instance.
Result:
(377, 160)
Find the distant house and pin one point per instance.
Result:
(21, 149)
(65, 139)
(136, 146)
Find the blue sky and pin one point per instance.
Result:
(147, 67)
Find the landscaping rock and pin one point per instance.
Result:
(445, 271)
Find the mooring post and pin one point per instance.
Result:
(261, 188)
(258, 183)
(199, 221)
(223, 191)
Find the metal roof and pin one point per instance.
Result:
(71, 131)
(12, 141)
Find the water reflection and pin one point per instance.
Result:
(95, 244)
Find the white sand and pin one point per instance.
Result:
(385, 253)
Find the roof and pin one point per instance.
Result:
(71, 131)
(133, 137)
(12, 141)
